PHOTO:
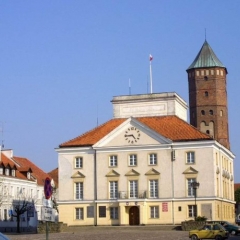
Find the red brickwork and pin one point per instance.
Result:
(208, 102)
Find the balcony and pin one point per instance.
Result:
(132, 195)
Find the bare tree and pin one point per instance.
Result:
(20, 206)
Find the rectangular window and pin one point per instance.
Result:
(78, 162)
(79, 213)
(133, 160)
(7, 171)
(153, 159)
(102, 211)
(1, 170)
(5, 214)
(153, 188)
(13, 173)
(133, 189)
(114, 212)
(113, 189)
(154, 212)
(79, 190)
(191, 210)
(90, 212)
(190, 188)
(190, 157)
(113, 161)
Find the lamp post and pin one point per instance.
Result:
(195, 186)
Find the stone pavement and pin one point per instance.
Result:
(108, 233)
(111, 233)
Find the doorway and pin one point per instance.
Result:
(134, 216)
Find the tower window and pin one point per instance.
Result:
(217, 72)
(221, 113)
(205, 78)
(212, 72)
(207, 132)
(207, 72)
(221, 72)
(203, 112)
(202, 72)
(206, 94)
(211, 112)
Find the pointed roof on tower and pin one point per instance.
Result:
(206, 58)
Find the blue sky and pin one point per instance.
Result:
(61, 62)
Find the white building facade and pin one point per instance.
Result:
(137, 168)
(20, 180)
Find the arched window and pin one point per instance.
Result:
(203, 112)
(211, 112)
(207, 132)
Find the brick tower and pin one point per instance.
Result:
(208, 95)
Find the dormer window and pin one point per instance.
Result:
(6, 171)
(13, 173)
(1, 171)
(28, 175)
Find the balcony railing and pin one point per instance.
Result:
(133, 195)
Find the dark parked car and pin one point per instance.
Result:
(231, 228)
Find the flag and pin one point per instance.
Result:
(150, 57)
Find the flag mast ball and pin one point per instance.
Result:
(150, 59)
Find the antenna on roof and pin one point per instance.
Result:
(1, 130)
(205, 34)
(129, 86)
(97, 115)
(147, 84)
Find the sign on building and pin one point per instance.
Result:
(165, 207)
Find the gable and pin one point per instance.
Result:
(132, 133)
(190, 170)
(132, 172)
(152, 172)
(112, 173)
(78, 175)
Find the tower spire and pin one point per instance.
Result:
(208, 95)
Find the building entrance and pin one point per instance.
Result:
(134, 216)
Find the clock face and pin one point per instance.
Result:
(132, 135)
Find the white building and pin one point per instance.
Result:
(138, 168)
(19, 179)
(143, 166)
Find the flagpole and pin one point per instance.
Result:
(150, 58)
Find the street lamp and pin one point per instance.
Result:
(195, 185)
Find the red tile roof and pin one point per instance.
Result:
(171, 127)
(6, 161)
(236, 186)
(38, 173)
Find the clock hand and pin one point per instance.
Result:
(130, 135)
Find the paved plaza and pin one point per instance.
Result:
(111, 233)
